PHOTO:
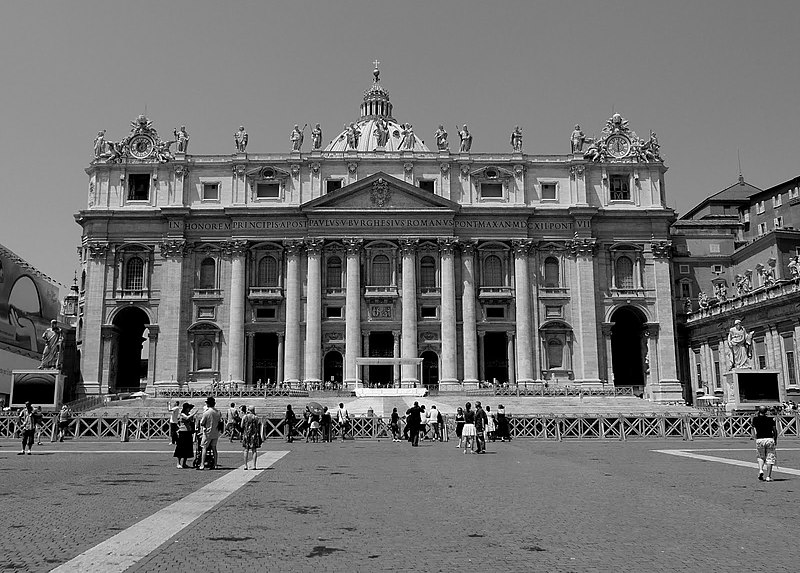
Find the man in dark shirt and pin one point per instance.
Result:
(480, 427)
(765, 432)
(412, 424)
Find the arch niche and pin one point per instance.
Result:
(333, 369)
(628, 347)
(127, 368)
(430, 368)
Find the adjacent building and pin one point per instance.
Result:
(375, 259)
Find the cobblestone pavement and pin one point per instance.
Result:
(368, 505)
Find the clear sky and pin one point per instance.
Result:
(710, 77)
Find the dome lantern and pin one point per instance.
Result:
(376, 99)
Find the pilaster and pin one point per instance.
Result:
(313, 312)
(588, 367)
(523, 310)
(352, 332)
(449, 373)
(292, 348)
(468, 323)
(408, 248)
(173, 253)
(235, 251)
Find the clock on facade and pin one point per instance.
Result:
(618, 146)
(141, 146)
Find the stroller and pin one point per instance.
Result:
(211, 461)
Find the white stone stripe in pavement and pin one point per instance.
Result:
(752, 465)
(135, 543)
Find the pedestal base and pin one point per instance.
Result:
(665, 391)
(745, 389)
(451, 387)
(43, 388)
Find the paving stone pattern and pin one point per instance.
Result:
(372, 506)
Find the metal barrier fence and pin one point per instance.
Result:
(540, 389)
(541, 427)
(248, 392)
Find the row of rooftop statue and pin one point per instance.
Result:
(617, 141)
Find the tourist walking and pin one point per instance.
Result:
(174, 416)
(413, 423)
(186, 427)
(765, 432)
(468, 432)
(423, 422)
(289, 420)
(343, 418)
(38, 419)
(251, 436)
(433, 423)
(394, 425)
(502, 424)
(480, 428)
(313, 428)
(459, 425)
(210, 422)
(64, 418)
(26, 423)
(441, 428)
(491, 424)
(325, 422)
(307, 423)
(232, 421)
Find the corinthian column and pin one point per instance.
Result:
(352, 334)
(236, 251)
(470, 349)
(523, 311)
(587, 367)
(449, 345)
(292, 346)
(313, 312)
(408, 347)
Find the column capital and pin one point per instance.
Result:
(583, 247)
(293, 248)
(152, 330)
(250, 335)
(174, 249)
(447, 245)
(468, 247)
(661, 249)
(97, 249)
(353, 246)
(280, 336)
(314, 246)
(521, 247)
(234, 248)
(408, 247)
(606, 327)
(396, 334)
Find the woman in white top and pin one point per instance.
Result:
(491, 425)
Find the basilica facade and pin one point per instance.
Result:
(377, 260)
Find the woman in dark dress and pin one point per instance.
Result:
(394, 425)
(289, 420)
(459, 424)
(502, 424)
(183, 449)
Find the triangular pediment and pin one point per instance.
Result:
(380, 192)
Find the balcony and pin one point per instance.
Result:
(553, 292)
(133, 294)
(272, 293)
(495, 292)
(335, 291)
(380, 292)
(430, 291)
(629, 292)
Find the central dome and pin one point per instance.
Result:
(376, 115)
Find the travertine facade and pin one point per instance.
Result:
(504, 267)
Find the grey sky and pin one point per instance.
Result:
(710, 77)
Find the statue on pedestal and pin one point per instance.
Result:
(794, 267)
(296, 137)
(353, 134)
(408, 137)
(240, 138)
(316, 137)
(381, 132)
(466, 139)
(721, 292)
(577, 139)
(740, 346)
(52, 346)
(182, 139)
(100, 144)
(703, 300)
(516, 140)
(441, 139)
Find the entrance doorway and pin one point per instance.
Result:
(265, 358)
(627, 356)
(381, 345)
(495, 357)
(127, 367)
(430, 368)
(332, 368)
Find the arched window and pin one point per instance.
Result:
(551, 278)
(208, 273)
(555, 353)
(134, 274)
(333, 272)
(623, 271)
(492, 271)
(205, 352)
(427, 272)
(268, 272)
(381, 271)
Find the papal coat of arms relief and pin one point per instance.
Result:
(381, 193)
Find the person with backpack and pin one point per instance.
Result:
(289, 419)
(343, 418)
(64, 418)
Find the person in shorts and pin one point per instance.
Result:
(210, 423)
(64, 418)
(27, 426)
(765, 432)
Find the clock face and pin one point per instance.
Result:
(141, 146)
(618, 146)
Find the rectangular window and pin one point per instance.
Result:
(428, 312)
(495, 312)
(762, 229)
(761, 354)
(210, 191)
(760, 207)
(684, 269)
(698, 366)
(777, 200)
(426, 185)
(265, 313)
(788, 348)
(492, 190)
(549, 192)
(778, 222)
(552, 312)
(716, 269)
(686, 290)
(717, 378)
(713, 247)
(333, 312)
(619, 188)
(138, 187)
(268, 190)
(746, 217)
(794, 192)
(332, 185)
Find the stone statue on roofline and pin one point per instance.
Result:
(381, 133)
(740, 346)
(721, 292)
(466, 139)
(516, 140)
(53, 340)
(100, 144)
(794, 267)
(407, 142)
(703, 300)
(441, 139)
(181, 139)
(316, 137)
(577, 139)
(296, 137)
(240, 139)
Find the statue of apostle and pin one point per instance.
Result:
(516, 140)
(577, 139)
(240, 139)
(182, 139)
(441, 139)
(740, 345)
(466, 139)
(408, 137)
(296, 137)
(100, 144)
(381, 132)
(52, 346)
(316, 137)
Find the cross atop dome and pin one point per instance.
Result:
(376, 98)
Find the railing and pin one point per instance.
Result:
(495, 292)
(133, 294)
(229, 392)
(763, 293)
(539, 389)
(207, 293)
(430, 291)
(266, 293)
(335, 291)
(380, 291)
(543, 427)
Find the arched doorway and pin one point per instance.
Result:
(495, 357)
(265, 359)
(127, 367)
(332, 368)
(430, 368)
(627, 356)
